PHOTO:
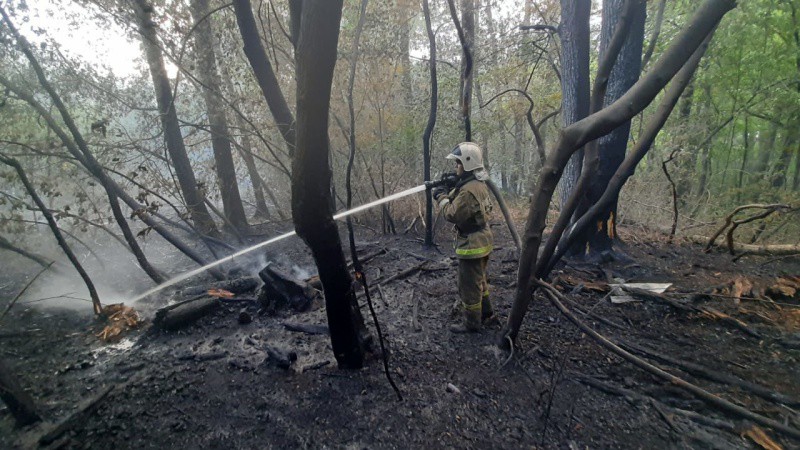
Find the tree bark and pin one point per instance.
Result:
(426, 135)
(311, 181)
(578, 134)
(611, 147)
(259, 62)
(780, 173)
(574, 34)
(659, 20)
(628, 166)
(218, 125)
(466, 35)
(169, 120)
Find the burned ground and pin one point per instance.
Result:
(214, 385)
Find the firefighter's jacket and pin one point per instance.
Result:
(468, 207)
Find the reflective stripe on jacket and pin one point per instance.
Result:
(468, 206)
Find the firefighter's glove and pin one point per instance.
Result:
(438, 191)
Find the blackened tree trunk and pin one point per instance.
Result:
(466, 35)
(262, 69)
(612, 147)
(169, 120)
(18, 401)
(245, 149)
(426, 136)
(255, 178)
(218, 125)
(311, 178)
(574, 34)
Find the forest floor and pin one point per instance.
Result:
(212, 384)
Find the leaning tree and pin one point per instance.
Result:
(679, 59)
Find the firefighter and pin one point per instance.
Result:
(468, 207)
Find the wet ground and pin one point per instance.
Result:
(213, 384)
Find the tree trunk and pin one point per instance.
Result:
(169, 120)
(683, 189)
(465, 79)
(780, 173)
(796, 183)
(404, 16)
(259, 62)
(574, 34)
(682, 47)
(516, 180)
(311, 180)
(745, 155)
(18, 401)
(612, 147)
(218, 125)
(766, 145)
(426, 135)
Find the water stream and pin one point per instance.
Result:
(191, 273)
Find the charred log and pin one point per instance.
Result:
(180, 315)
(282, 291)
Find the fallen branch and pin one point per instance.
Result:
(734, 223)
(185, 313)
(687, 307)
(753, 249)
(698, 392)
(633, 396)
(400, 275)
(307, 328)
(719, 377)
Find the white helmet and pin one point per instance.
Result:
(469, 154)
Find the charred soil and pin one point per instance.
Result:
(215, 384)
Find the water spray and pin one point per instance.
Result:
(357, 209)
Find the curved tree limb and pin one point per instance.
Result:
(628, 166)
(596, 125)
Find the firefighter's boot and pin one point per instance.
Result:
(472, 320)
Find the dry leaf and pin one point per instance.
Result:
(742, 287)
(786, 286)
(121, 318)
(597, 286)
(221, 293)
(760, 437)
